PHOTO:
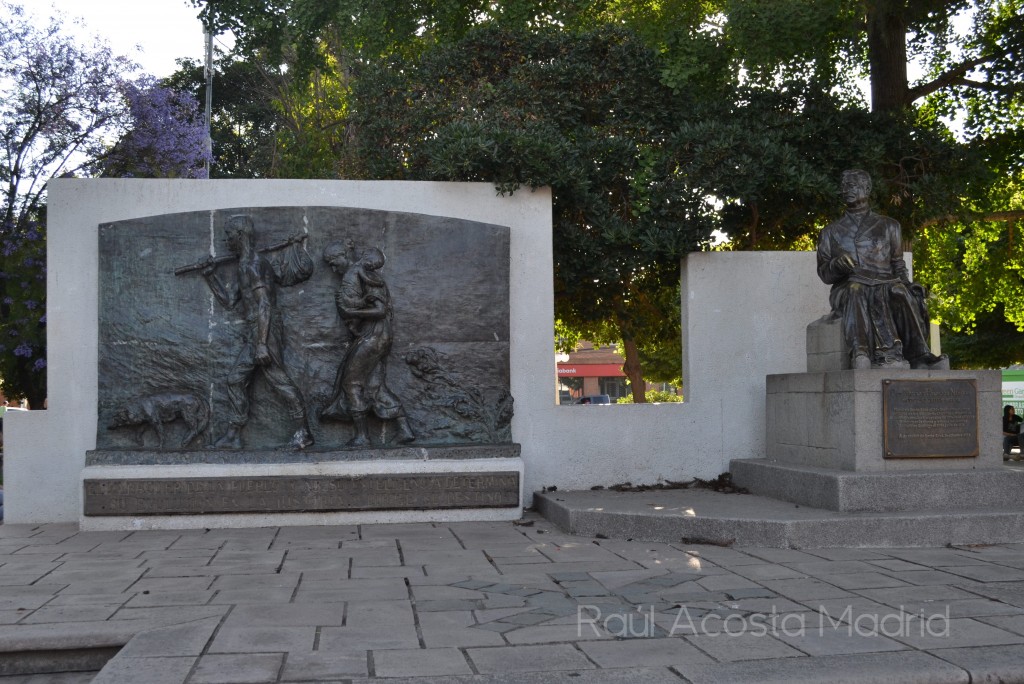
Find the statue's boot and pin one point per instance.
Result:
(301, 439)
(232, 439)
(861, 362)
(405, 433)
(930, 361)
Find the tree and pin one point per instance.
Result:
(166, 137)
(584, 113)
(57, 111)
(245, 121)
(775, 113)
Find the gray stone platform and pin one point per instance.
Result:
(751, 520)
(905, 491)
(495, 603)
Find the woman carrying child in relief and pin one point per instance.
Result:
(364, 304)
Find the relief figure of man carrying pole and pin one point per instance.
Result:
(883, 314)
(263, 337)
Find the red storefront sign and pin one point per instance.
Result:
(590, 370)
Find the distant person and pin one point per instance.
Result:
(1011, 432)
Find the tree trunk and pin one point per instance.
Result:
(634, 372)
(887, 55)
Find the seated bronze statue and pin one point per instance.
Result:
(883, 314)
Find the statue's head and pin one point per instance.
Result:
(371, 258)
(239, 229)
(336, 254)
(855, 186)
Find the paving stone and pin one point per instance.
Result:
(71, 613)
(161, 670)
(526, 619)
(379, 571)
(503, 601)
(508, 659)
(836, 567)
(753, 592)
(176, 640)
(445, 593)
(727, 583)
(767, 572)
(420, 662)
(168, 598)
(473, 584)
(987, 573)
(451, 604)
(286, 615)
(247, 596)
(781, 555)
(855, 554)
(987, 664)
(764, 606)
(455, 628)
(172, 584)
(353, 590)
(895, 564)
(955, 633)
(865, 580)
(263, 640)
(88, 599)
(819, 637)
(642, 652)
(546, 634)
(1011, 623)
(905, 667)
(753, 645)
(902, 595)
(251, 668)
(926, 577)
(806, 589)
(284, 580)
(323, 666)
(169, 615)
(958, 608)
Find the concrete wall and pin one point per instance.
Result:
(744, 315)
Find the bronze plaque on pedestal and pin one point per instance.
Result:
(930, 418)
(294, 494)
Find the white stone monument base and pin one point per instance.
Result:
(346, 469)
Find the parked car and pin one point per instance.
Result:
(595, 399)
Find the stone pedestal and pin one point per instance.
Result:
(830, 443)
(826, 348)
(836, 420)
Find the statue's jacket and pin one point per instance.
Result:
(873, 241)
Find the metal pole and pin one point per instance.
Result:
(208, 72)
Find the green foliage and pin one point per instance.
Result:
(654, 397)
(993, 343)
(657, 121)
(585, 114)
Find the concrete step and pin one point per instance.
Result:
(1001, 487)
(704, 516)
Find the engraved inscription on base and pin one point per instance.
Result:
(930, 418)
(193, 496)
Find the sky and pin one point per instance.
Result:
(152, 32)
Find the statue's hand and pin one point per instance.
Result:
(844, 264)
(262, 355)
(209, 266)
(917, 289)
